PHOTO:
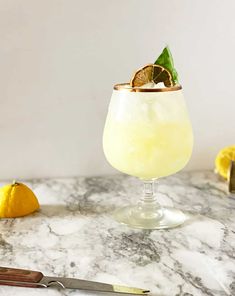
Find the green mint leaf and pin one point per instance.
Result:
(166, 60)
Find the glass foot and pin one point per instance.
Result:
(163, 218)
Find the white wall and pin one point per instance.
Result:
(60, 58)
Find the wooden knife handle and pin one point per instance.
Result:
(19, 275)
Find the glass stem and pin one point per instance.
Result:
(149, 192)
(148, 204)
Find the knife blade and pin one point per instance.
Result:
(35, 279)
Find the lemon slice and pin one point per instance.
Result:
(17, 200)
(223, 160)
(151, 73)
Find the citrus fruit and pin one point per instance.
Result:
(17, 200)
(151, 74)
(223, 160)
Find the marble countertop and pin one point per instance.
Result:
(74, 235)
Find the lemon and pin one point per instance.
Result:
(17, 200)
(223, 160)
(151, 73)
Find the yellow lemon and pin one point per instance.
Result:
(223, 160)
(17, 200)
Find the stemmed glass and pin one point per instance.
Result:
(148, 135)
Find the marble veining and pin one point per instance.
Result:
(74, 235)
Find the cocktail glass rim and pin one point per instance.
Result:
(127, 87)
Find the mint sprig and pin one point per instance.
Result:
(166, 60)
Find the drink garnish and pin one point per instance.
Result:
(166, 60)
(161, 71)
(152, 74)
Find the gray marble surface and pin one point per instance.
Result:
(74, 235)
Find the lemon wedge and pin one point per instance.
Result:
(17, 200)
(223, 160)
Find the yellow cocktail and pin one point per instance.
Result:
(147, 134)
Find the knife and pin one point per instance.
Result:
(35, 279)
(231, 178)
